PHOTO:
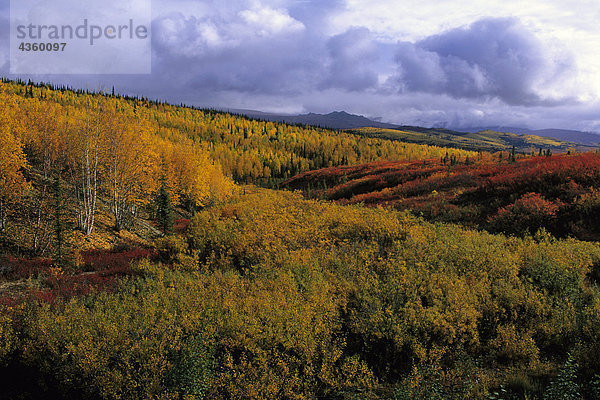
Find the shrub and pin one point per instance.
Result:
(528, 213)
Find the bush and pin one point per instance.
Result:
(565, 386)
(528, 213)
(8, 339)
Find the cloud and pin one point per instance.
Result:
(194, 36)
(304, 55)
(351, 55)
(316, 15)
(254, 50)
(4, 45)
(267, 22)
(491, 58)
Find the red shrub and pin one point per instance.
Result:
(101, 260)
(181, 225)
(23, 268)
(530, 212)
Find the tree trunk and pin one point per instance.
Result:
(87, 189)
(2, 215)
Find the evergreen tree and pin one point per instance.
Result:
(164, 209)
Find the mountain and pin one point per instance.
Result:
(344, 120)
(333, 120)
(338, 120)
(588, 138)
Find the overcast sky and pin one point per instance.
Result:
(453, 63)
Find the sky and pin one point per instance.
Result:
(457, 64)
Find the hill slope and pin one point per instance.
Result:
(567, 135)
(559, 193)
(265, 295)
(345, 121)
(477, 141)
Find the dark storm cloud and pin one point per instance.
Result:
(282, 56)
(201, 55)
(351, 55)
(491, 58)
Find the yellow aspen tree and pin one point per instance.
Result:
(12, 182)
(84, 155)
(132, 165)
(171, 168)
(194, 177)
(45, 141)
(12, 161)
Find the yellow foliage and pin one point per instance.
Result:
(12, 162)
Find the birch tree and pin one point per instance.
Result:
(85, 152)
(133, 167)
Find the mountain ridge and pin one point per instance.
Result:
(343, 120)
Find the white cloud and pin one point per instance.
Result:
(268, 22)
(563, 26)
(217, 29)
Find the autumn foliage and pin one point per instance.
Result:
(272, 296)
(104, 151)
(263, 294)
(558, 193)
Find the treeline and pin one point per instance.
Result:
(500, 193)
(249, 150)
(65, 151)
(272, 296)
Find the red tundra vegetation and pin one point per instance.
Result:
(559, 193)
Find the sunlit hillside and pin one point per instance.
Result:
(485, 140)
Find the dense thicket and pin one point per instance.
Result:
(272, 296)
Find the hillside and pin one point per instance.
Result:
(559, 193)
(567, 135)
(499, 139)
(115, 153)
(482, 140)
(477, 141)
(270, 294)
(248, 150)
(136, 264)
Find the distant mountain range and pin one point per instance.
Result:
(344, 120)
(333, 120)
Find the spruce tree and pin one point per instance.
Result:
(164, 209)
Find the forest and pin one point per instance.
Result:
(153, 251)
